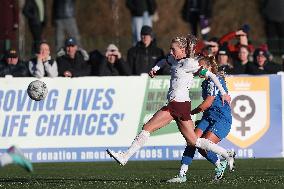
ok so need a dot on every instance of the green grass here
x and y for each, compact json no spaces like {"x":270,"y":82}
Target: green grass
{"x":257,"y":173}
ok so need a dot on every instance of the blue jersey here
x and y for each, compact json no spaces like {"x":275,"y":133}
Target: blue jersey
{"x":217,"y":111}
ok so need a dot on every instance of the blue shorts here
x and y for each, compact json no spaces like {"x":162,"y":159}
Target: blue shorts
{"x":220,"y":129}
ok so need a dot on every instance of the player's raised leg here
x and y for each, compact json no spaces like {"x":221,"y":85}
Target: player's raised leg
{"x":159,"y":120}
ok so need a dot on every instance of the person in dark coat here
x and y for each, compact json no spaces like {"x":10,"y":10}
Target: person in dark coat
{"x":145,"y":54}
{"x":35,"y":12}
{"x":9,"y":19}
{"x":113,"y":64}
{"x":241,"y":63}
{"x":72,"y":61}
{"x":225,"y":61}
{"x":262,"y":65}
{"x":11,"y":65}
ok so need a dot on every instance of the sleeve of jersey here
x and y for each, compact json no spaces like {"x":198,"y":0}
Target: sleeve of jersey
{"x":215,"y":80}
{"x":159,"y":65}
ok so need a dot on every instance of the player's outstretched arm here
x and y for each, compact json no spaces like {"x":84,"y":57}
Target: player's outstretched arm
{"x":225,"y":96}
{"x":157,"y":67}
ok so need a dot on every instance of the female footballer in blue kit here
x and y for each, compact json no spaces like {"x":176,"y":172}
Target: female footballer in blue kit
{"x":214,"y":125}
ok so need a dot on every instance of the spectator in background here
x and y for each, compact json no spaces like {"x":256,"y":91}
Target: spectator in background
{"x":198,"y":13}
{"x":262,"y":65}
{"x":42,"y":65}
{"x":273,"y":12}
{"x":113,"y":64}
{"x":141,"y":13}
{"x":145,"y":54}
{"x":64,"y":20}
{"x":9,"y":19}
{"x":242,"y":62}
{"x":241,"y":35}
{"x":72,"y":61}
{"x":224,"y":61}
{"x":35,"y":11}
{"x":11,"y":65}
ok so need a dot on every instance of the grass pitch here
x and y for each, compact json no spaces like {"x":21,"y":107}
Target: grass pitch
{"x":257,"y":173}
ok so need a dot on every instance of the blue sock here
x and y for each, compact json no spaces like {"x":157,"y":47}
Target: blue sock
{"x":188,"y":155}
{"x":211,"y":157}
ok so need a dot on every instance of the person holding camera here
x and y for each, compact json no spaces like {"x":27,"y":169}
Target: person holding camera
{"x":112,"y":64}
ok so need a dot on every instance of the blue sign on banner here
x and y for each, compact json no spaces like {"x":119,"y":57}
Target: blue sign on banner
{"x":269,"y":142}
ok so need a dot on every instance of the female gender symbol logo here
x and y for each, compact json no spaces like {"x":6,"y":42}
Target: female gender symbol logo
{"x":243,"y":109}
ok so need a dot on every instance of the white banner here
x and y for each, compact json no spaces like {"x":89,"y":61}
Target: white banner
{"x":81,"y":117}
{"x":78,"y":112}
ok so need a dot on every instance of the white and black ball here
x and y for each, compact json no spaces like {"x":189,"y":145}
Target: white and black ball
{"x":37,"y":90}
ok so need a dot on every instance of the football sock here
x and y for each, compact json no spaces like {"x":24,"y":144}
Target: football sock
{"x":138,"y":142}
{"x":212,"y":157}
{"x":217,"y":164}
{"x":208,"y":145}
{"x":186,"y":160}
{"x":5,"y":159}
{"x":188,"y":155}
{"x":183,"y":170}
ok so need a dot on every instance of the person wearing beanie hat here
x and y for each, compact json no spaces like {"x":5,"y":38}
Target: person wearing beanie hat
{"x":12,"y":65}
{"x":147,"y":30}
{"x":262,"y":65}
{"x":112,"y":64}
{"x":145,"y":54}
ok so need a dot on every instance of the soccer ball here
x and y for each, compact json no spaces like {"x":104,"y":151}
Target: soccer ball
{"x":37,"y":90}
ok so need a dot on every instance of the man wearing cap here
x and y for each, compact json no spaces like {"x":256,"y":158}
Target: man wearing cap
{"x":224,"y":61}
{"x":145,"y":54}
{"x":112,"y":64}
{"x":11,"y":65}
{"x":262,"y":65}
{"x":72,"y":60}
